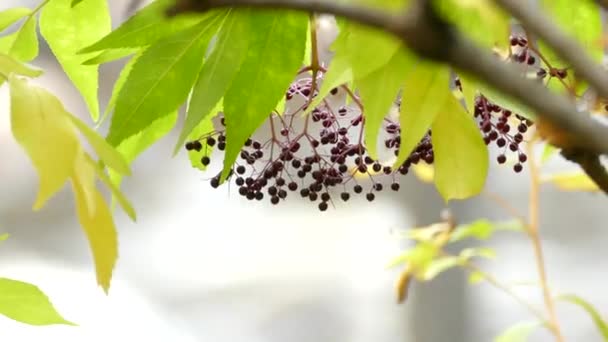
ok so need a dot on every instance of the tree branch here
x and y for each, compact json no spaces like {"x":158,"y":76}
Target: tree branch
{"x":423,"y":31}
{"x":568,"y":49}
{"x":591,"y":164}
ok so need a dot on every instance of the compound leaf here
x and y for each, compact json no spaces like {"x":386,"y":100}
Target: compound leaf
{"x":24,"y":45}
{"x":10,"y":16}
{"x":26,"y":303}
{"x":160,"y":80}
{"x":218,"y":71}
{"x":42,"y":128}
{"x":276,"y":47}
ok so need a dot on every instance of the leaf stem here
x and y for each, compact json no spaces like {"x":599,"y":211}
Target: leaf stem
{"x":533,"y":232}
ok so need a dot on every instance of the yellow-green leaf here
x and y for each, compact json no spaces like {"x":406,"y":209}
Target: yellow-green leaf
{"x":26,"y":303}
{"x":461,"y":156}
{"x":68,"y":29}
{"x":40,"y":125}
{"x":24,"y":47}
{"x":600,"y":323}
{"x":109,"y":56}
{"x":572,"y":181}
{"x":9,"y":65}
{"x":84,"y":173}
{"x":476,"y":277}
{"x":105,"y":151}
{"x":518,"y":332}
{"x":116,"y":193}
{"x":3,"y":237}
{"x":99,"y":230}
{"x":10,"y":16}
{"x":440,"y":265}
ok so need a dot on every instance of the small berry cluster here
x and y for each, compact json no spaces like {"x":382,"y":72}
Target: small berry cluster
{"x":526,"y":55}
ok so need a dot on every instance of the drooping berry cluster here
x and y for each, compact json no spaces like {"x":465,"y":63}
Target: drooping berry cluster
{"x":525,"y":54}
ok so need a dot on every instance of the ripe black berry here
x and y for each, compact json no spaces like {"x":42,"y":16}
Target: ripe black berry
{"x":345,"y":196}
{"x":370,"y":196}
{"x":395,"y":186}
{"x":501,"y":159}
{"x":358,"y":189}
{"x":210,"y":141}
{"x":517,"y":167}
{"x":304,"y":192}
{"x":205,"y":160}
{"x":293,"y":186}
{"x":323,"y":206}
{"x":240,"y":169}
{"x":282,"y":194}
{"x":274,"y":200}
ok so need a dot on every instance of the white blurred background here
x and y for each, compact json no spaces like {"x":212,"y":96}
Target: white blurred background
{"x":205,"y":265}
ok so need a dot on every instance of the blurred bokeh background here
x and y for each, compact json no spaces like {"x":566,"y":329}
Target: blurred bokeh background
{"x":206,"y":265}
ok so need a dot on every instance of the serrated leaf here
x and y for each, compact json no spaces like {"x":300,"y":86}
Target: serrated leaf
{"x":276,"y":47}
{"x":461,"y":156}
{"x":10,"y":16}
{"x":109,"y":56}
{"x":204,"y":127}
{"x":40,"y":126}
{"x":24,"y":45}
{"x":136,"y":144}
{"x":600,"y":323}
{"x":160,"y":80}
{"x":105,"y":151}
{"x":120,"y":82}
{"x":480,"y":230}
{"x":99,"y":229}
{"x":218,"y":71}
{"x":476,"y":277}
{"x":68,"y":29}
{"x":572,"y":181}
{"x":425,"y":94}
{"x":9,"y":65}
{"x":116,"y":193}
{"x":84,"y":173}
{"x":581,"y":20}
{"x":378,"y":91}
{"x":518,"y":332}
{"x":440,"y":265}
{"x":146,"y":27}
{"x":26,"y":303}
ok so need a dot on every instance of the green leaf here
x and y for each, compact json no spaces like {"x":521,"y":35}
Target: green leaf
{"x":120,"y":81}
{"x":9,"y":65}
{"x":218,"y":71}
{"x":276,"y":47}
{"x":483,"y":252}
{"x":136,"y":144}
{"x":40,"y":126}
{"x":476,"y":277}
{"x":160,"y":80}
{"x":572,"y":181}
{"x":581,"y":20}
{"x":109,"y":56}
{"x":3,"y":237}
{"x":68,"y":29}
{"x":10,"y":16}
{"x":24,"y":46}
{"x":105,"y":151}
{"x":548,"y":152}
{"x":600,"y":323}
{"x":380,"y":48}
{"x":440,"y":265}
{"x":461,"y":156}
{"x":98,"y":225}
{"x":425,"y":94}
{"x":518,"y":332}
{"x":146,"y":27}
{"x":378,"y":91}
{"x":25,"y":303}
{"x":116,"y":193}
{"x":205,"y":126}
{"x":480,"y":229}
{"x":75,"y":2}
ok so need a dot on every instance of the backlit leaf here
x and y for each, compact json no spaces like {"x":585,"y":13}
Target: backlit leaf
{"x":425,"y":94}
{"x":68,"y":29}
{"x":109,"y":56}
{"x":105,"y":151}
{"x":276,"y":48}
{"x":440,"y":265}
{"x":9,"y":65}
{"x":548,"y":152}
{"x":378,"y":91}
{"x":461,"y":156}
{"x":99,"y":230}
{"x":160,"y":80}
{"x":204,"y":127}
{"x":116,"y":193}
{"x":600,"y":323}
{"x":483,"y":252}
{"x":218,"y":71}
{"x":26,"y":303}
{"x":572,"y":181}
{"x":147,"y":26}
{"x":3,"y":237}
{"x":24,"y":46}
{"x":120,"y":81}
{"x":480,"y":229}
{"x":518,"y":332}
{"x":476,"y":277}
{"x":10,"y":16}
{"x":42,"y":128}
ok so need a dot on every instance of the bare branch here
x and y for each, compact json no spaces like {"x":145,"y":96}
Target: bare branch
{"x":592,"y":166}
{"x":568,"y":49}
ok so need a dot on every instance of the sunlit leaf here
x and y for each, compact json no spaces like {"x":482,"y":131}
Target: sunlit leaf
{"x":378,"y":91}
{"x":518,"y":332}
{"x":68,"y":29}
{"x":480,"y":229}
{"x":120,"y":81}
{"x":461,"y":156}
{"x":572,"y":181}
{"x":403,"y":284}
{"x":427,"y":233}
{"x":276,"y":47}
{"x":75,"y":2}
{"x":3,"y":237}
{"x":26,"y":303}
{"x":116,"y":193}
{"x":425,"y":94}
{"x":160,"y":80}
{"x":98,"y":227}
{"x":8,"y":65}
{"x":105,"y":151}
{"x":548,"y":152}
{"x":42,"y":128}
{"x":24,"y":46}
{"x":440,"y":265}
{"x":218,"y":71}
{"x":147,"y":26}
{"x":424,"y":172}
{"x":476,"y":277}
{"x":109,"y":56}
{"x":204,"y":127}
{"x":10,"y":16}
{"x":600,"y":323}
{"x":483,"y":252}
